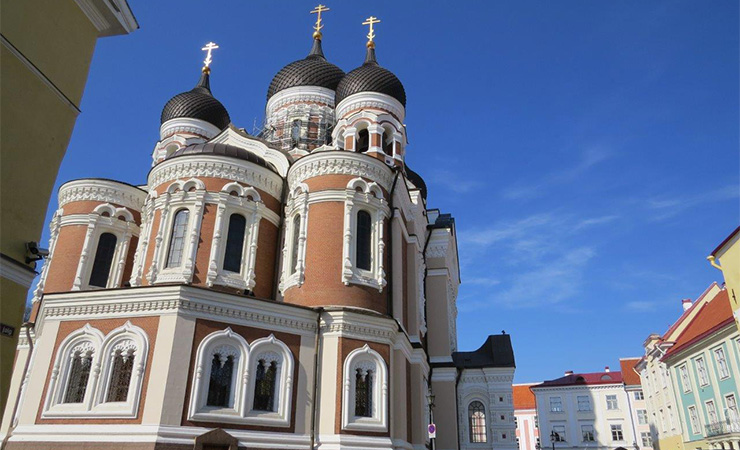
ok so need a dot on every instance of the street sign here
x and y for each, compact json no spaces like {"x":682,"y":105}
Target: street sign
{"x":432,"y":430}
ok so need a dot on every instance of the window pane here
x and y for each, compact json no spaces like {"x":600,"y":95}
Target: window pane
{"x":364,"y":239}
{"x":264,"y":386}
{"x":177,"y":240}
{"x":219,"y":386}
{"x":79,"y":373}
{"x":363,"y":393}
{"x":235,"y":243}
{"x":294,"y":243}
{"x":103,"y":260}
{"x":477,"y":422}
{"x":363,"y":141}
{"x":123,"y":365}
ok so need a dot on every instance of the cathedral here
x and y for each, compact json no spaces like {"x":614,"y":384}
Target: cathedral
{"x":288,"y":289}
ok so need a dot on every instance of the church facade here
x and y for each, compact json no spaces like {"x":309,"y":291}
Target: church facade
{"x":289,"y":290}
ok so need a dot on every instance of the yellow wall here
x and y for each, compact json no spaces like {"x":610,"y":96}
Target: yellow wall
{"x":729,"y":258}
{"x":671,"y":443}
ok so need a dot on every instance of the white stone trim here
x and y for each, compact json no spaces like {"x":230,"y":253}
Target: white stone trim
{"x":299,"y":94}
{"x":340,"y":163}
{"x":371,"y":100}
{"x":379,"y":420}
{"x":283,"y":383}
{"x":194,"y":166}
{"x":361,"y":195}
{"x":100,"y":18}
{"x":147,"y":218}
{"x":297,"y":204}
{"x":17,"y":274}
{"x":279,"y":160}
{"x":104,"y":191}
{"x":188,"y":125}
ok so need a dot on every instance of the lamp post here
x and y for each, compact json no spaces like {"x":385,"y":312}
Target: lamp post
{"x":553,"y":435}
{"x":430,"y":402}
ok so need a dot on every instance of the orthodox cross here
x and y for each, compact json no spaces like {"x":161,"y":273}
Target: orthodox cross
{"x":318,"y":10}
{"x":209,"y":48}
{"x":370,"y":21}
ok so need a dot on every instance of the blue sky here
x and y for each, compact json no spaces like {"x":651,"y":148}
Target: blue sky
{"x":587,"y":149}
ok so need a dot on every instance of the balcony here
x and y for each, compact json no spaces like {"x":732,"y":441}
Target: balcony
{"x":716,"y":429}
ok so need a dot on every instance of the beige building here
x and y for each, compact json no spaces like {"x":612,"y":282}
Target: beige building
{"x":726,"y":257}
{"x":289,"y":290}
{"x":47,"y":46}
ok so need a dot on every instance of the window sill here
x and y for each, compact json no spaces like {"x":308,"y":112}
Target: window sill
{"x":365,"y":424}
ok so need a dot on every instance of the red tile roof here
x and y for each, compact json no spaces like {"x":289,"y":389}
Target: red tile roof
{"x":686,"y":313}
{"x":523,"y":397}
{"x":584,"y":378}
{"x":629,"y":376}
{"x":716,"y":314}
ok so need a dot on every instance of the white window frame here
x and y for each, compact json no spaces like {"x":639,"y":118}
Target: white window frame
{"x":553,"y":407}
{"x":617,"y":428}
{"x":694,"y":420}
{"x":639,"y":395}
{"x":562,"y":437}
{"x":701,"y":370}
{"x":647,"y":439}
{"x":671,"y":419}
{"x":274,"y":350}
{"x":642,"y":417}
{"x":103,"y":347}
{"x":361,"y":195}
{"x":731,"y":408}
{"x":247,"y":203}
{"x":584,"y":431}
{"x":219,"y":341}
{"x":612,"y":398}
{"x":683,"y":371}
{"x":297,"y":204}
{"x":175,"y":198}
{"x":587,"y":402}
{"x":712,"y":414}
{"x":720,"y":358}
{"x":97,"y":224}
{"x":379,"y":420}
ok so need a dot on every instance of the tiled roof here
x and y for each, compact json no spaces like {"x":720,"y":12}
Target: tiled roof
{"x":629,"y":376}
{"x":716,"y":314}
{"x":668,"y":334}
{"x":523,"y":396}
{"x":584,"y":379}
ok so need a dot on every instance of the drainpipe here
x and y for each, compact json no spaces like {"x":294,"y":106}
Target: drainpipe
{"x":389,"y":286}
{"x":317,"y":344}
{"x":13,"y":420}
{"x":714,"y":264}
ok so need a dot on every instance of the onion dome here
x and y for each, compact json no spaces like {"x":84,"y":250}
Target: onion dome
{"x":313,"y":70}
{"x":370,"y":77}
{"x":212,"y":148}
{"x":197,"y":103}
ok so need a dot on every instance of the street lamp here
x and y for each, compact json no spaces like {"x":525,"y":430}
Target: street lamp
{"x":430,"y":402}
{"x":553,"y":436}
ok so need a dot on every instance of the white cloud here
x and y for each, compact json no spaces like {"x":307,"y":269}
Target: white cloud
{"x":453,"y":181}
{"x":641,"y":306}
{"x":662,"y":208}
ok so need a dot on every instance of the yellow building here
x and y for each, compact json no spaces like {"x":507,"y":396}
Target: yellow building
{"x":47,"y":46}
{"x":726,"y":257}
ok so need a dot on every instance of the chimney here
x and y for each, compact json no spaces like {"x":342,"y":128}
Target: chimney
{"x":686,"y":303}
{"x":606,"y":369}
{"x":568,"y":372}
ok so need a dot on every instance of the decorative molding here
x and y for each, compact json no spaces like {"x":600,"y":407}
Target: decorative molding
{"x":17,"y":273}
{"x":371,"y":100}
{"x":297,"y":205}
{"x":366,"y":360}
{"x":299,"y":94}
{"x":119,"y":10}
{"x":188,"y":125}
{"x":340,"y":163}
{"x":278,"y":159}
{"x":104,"y":191}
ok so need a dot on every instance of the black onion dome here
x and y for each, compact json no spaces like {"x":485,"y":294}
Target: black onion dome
{"x":197,"y":103}
{"x":212,"y":148}
{"x":370,"y":77}
{"x":313,"y":70}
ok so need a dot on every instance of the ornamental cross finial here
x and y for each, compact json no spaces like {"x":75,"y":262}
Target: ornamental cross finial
{"x":318,"y":10}
{"x":209,"y":48}
{"x":371,"y":35}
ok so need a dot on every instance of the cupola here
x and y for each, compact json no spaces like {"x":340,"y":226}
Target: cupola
{"x":371,"y":77}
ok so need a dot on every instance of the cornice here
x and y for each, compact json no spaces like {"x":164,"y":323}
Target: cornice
{"x":300,"y":94}
{"x":104,"y":191}
{"x":371,"y":100}
{"x":340,"y":163}
{"x":16,"y":272}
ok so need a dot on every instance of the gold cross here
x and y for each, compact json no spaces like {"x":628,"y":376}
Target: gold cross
{"x":209,"y":48}
{"x":371,"y":35}
{"x":318,"y":10}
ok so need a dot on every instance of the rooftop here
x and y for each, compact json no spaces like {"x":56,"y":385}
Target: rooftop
{"x":523,"y":396}
{"x":629,"y":376}
{"x":716,"y":314}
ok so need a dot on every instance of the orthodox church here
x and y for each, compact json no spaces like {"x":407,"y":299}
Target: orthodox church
{"x":285,"y":290}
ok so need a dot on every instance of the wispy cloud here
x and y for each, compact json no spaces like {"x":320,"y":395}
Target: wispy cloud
{"x":453,"y":181}
{"x":589,"y":158}
{"x":641,"y":306}
{"x":665,"y":207}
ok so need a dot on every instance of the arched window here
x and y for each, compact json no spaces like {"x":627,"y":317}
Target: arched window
{"x":387,"y":143}
{"x":219,"y":386}
{"x":294,"y":243}
{"x":235,"y":243}
{"x":103,"y":260}
{"x":79,"y":374}
{"x":363,"y":141}
{"x":177,"y":239}
{"x":295,"y":131}
{"x":477,"y":421}
{"x":120,"y":379}
{"x":364,"y":392}
{"x":364,"y":240}
{"x":264,"y":385}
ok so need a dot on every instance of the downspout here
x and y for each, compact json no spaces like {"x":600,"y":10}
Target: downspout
{"x":632,"y":419}
{"x":13,"y":421}
{"x":389,"y":286}
{"x":279,"y":240}
{"x":317,"y":343}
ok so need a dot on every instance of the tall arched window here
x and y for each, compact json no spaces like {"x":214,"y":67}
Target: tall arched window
{"x":103,"y":260}
{"x":79,"y":374}
{"x":235,"y":243}
{"x":294,"y":244}
{"x":387,"y":143}
{"x":295,"y":131}
{"x":363,"y":141}
{"x":177,"y":239}
{"x":264,"y":385}
{"x":120,"y":379}
{"x":363,"y":392}
{"x":477,"y":421}
{"x":219,"y":386}
{"x":364,"y":240}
